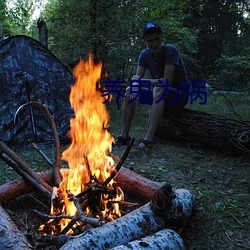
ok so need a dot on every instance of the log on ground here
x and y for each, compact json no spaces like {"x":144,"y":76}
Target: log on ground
{"x":18,"y":187}
{"x":148,"y":219}
{"x":161,"y":240}
{"x":211,"y":131}
{"x":10,"y":237}
{"x":131,"y":182}
{"x":137,"y":185}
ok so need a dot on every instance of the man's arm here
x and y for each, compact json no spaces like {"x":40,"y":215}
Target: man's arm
{"x":140,"y":71}
{"x":168,"y":75}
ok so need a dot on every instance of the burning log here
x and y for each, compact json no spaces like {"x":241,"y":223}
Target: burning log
{"x":165,"y":210}
{"x":163,"y":239}
{"x":10,"y":237}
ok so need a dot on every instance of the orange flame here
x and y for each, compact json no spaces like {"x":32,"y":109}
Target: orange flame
{"x":87,"y":156}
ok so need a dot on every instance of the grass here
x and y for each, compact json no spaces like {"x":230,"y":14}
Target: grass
{"x":220,"y":181}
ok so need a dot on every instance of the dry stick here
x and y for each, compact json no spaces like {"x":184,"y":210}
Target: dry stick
{"x":95,"y":188}
{"x":112,"y":175}
{"x":51,"y":217}
{"x":92,"y":221}
{"x":120,"y":163}
{"x":23,"y":165}
{"x":57,"y":174}
{"x":25,"y":176}
{"x":80,"y":217}
{"x":86,"y":162}
{"x":85,"y":205}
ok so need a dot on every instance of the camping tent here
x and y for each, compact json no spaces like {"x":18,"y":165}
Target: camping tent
{"x":30,"y":72}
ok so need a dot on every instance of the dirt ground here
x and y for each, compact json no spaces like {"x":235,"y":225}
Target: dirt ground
{"x":220,"y":182}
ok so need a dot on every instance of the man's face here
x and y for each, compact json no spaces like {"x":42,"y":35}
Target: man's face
{"x":153,"y":40}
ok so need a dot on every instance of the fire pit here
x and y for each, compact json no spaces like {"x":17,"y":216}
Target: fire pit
{"x":86,"y":198}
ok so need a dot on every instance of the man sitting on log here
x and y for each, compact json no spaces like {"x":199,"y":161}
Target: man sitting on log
{"x":169,"y":81}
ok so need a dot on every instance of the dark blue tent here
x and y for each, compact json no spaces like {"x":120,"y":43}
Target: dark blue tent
{"x":29,"y":71}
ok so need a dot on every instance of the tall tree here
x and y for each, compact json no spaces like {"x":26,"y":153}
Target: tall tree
{"x":4,"y":19}
{"x":111,"y":30}
{"x":222,"y":29}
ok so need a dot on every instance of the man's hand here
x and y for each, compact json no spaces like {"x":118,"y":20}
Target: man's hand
{"x":136,"y":78}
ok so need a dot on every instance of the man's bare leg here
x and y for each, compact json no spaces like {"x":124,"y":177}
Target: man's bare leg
{"x":128,"y":111}
{"x":155,"y":117}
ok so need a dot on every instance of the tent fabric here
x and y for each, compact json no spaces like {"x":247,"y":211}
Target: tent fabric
{"x":30,"y":72}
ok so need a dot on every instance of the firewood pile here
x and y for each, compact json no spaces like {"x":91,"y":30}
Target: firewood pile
{"x":156,"y":222}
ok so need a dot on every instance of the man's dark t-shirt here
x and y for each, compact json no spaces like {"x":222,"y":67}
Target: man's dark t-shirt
{"x":171,"y":56}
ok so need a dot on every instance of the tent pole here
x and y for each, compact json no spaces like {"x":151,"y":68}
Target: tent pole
{"x":33,"y":125}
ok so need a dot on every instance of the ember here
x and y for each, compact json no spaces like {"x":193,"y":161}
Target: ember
{"x":87,"y":188}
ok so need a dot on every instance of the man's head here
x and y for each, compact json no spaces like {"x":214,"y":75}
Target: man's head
{"x":150,"y":28}
{"x":152,"y":36}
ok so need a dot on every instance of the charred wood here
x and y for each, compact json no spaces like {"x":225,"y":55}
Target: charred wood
{"x":120,"y":163}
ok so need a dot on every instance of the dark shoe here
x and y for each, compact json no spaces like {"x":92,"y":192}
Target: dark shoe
{"x":121,"y":141}
{"x":145,"y":144}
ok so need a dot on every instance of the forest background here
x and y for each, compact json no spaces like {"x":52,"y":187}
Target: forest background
{"x":213,"y":36}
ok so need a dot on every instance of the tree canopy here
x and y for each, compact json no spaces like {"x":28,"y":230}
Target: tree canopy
{"x":213,"y":35}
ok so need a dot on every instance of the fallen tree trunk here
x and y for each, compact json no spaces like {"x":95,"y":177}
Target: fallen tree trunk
{"x":212,"y":131}
{"x":163,"y":239}
{"x":150,"y":218}
{"x":10,"y":237}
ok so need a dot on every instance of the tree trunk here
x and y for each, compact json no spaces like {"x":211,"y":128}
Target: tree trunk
{"x":43,"y":32}
{"x":10,"y":237}
{"x":212,"y":131}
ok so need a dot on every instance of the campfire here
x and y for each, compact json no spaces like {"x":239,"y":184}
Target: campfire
{"x":87,"y":198}
{"x":87,"y":188}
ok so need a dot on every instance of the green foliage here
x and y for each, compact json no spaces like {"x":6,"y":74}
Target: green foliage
{"x":20,"y":16}
{"x":212,"y":36}
{"x":4,"y":19}
{"x":232,"y":72}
